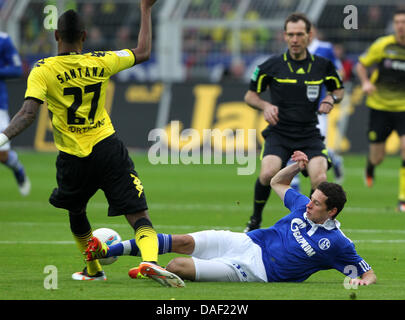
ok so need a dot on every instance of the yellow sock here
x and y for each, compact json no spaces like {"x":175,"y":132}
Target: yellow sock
{"x":92,"y":266}
{"x":401,"y":195}
{"x":147,"y":242}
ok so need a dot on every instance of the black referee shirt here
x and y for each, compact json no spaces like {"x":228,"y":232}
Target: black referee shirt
{"x":295,"y":88}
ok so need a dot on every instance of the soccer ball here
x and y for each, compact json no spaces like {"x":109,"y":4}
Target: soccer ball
{"x":110,"y":237}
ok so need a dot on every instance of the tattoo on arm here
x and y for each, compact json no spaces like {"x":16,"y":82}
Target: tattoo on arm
{"x":23,"y":119}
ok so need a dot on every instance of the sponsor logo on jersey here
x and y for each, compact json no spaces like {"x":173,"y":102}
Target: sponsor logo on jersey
{"x":296,"y":225}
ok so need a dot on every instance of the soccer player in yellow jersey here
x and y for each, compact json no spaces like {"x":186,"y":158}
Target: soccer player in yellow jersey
{"x":386,"y":97}
{"x":91,"y":156}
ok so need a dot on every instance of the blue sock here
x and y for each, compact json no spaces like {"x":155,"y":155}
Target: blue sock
{"x":129,"y":247}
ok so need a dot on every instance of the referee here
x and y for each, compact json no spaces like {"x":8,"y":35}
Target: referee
{"x":294,"y":80}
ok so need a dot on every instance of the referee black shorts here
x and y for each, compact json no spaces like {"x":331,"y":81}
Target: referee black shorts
{"x":108,"y":168}
{"x":283,"y":147}
{"x":382,"y":123}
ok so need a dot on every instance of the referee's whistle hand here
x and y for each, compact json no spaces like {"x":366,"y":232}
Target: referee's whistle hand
{"x":271,"y":114}
{"x":325,"y":107}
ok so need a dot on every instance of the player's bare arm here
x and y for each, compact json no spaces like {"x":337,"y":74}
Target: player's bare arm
{"x":367,"y":86}
{"x":328,"y":102}
{"x":23,"y":119}
{"x":280,"y":183}
{"x":270,"y":111}
{"x":143,"y":50}
{"x":366,"y":279}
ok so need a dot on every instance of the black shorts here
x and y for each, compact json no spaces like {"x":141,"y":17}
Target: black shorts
{"x":284,"y":147}
{"x":108,"y":168}
{"x":382,"y":123}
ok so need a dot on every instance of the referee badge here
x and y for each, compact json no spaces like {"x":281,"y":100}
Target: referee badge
{"x":312,"y":92}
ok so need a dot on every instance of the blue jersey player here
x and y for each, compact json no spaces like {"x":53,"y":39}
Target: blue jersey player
{"x":325,"y":49}
{"x":10,"y":67}
{"x":305,"y":241}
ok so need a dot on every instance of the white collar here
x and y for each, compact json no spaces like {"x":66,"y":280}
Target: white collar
{"x":329,"y":224}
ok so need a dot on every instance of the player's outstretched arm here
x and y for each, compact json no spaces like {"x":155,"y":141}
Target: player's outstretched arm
{"x":366,"y":279}
{"x":143,"y":50}
{"x":22,"y":120}
{"x":280,"y":183}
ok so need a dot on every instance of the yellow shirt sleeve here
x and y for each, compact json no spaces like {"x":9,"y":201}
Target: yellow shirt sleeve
{"x":124,"y":59}
{"x":36,"y":84}
{"x":375,"y":52}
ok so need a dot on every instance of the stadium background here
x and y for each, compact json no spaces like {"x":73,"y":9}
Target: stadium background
{"x":209,"y":45}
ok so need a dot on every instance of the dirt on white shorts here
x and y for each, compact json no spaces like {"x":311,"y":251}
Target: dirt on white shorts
{"x":227,"y":256}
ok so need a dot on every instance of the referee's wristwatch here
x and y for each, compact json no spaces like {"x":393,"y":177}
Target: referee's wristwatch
{"x":335,"y":99}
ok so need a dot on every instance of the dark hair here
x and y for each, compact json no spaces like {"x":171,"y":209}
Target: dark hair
{"x":336,"y":196}
{"x":398,"y":11}
{"x":70,"y":26}
{"x":297,"y":16}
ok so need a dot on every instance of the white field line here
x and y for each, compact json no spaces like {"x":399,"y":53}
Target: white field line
{"x":172,"y":206}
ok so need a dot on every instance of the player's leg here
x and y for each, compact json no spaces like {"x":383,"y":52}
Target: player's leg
{"x":218,"y":256}
{"x":270,"y":165}
{"x":376,"y":155}
{"x":82,"y":233}
{"x":317,"y":168}
{"x":379,"y":128}
{"x":76,"y":185}
{"x":273,"y":156}
{"x":203,"y":246}
{"x":9,"y":158}
{"x":145,"y":235}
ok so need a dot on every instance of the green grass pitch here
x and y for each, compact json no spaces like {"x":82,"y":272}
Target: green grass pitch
{"x":182,"y":199}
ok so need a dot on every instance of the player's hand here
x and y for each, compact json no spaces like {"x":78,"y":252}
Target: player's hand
{"x":368,"y":87}
{"x":301,"y":158}
{"x":270,"y":113}
{"x":359,"y":282}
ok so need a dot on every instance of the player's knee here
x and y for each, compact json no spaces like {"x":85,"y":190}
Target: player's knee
{"x":183,"y":267}
{"x":265,"y":177}
{"x":183,"y":244}
{"x":317,"y":179}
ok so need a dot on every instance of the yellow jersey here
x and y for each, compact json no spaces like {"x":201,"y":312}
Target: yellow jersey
{"x":74,"y":86}
{"x":389,"y":76}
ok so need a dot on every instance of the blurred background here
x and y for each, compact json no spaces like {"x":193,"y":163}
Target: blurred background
{"x":207,"y":41}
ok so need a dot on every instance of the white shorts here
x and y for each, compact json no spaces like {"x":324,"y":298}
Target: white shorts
{"x":4,"y":121}
{"x":227,"y":256}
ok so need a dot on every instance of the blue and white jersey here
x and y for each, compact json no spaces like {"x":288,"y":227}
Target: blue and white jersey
{"x":324,"y":49}
{"x":10,"y":66}
{"x":295,"y":247}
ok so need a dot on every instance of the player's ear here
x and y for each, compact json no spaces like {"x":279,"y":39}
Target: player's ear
{"x":56,"y":35}
{"x":332,"y":213}
{"x":310,"y":36}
